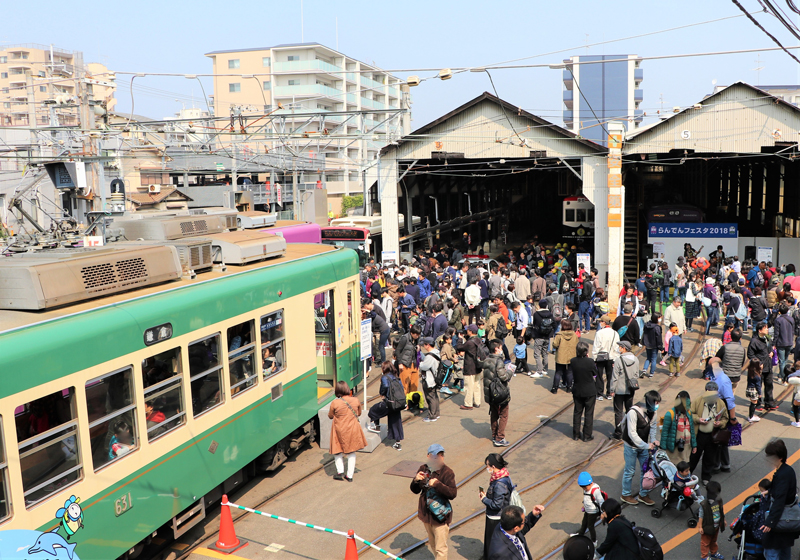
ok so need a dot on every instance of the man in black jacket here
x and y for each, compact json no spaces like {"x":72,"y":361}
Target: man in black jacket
{"x":628,"y":320}
{"x":761,"y":350}
{"x":508,"y":540}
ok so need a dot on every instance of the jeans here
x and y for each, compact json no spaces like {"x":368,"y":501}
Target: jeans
{"x":713,"y":317}
{"x":650,"y":361}
{"x":584,"y":316}
{"x":682,"y":293}
{"x":783,"y":354}
{"x":382,"y":344}
{"x":778,"y":553}
{"x":664,"y":296}
{"x":632,"y":454}
{"x":484,"y":307}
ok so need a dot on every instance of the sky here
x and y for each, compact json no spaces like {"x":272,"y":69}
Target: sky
{"x":164,"y":36}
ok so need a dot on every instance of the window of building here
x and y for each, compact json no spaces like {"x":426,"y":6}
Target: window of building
{"x":267,"y":86}
{"x":206,"y":374}
{"x":5,"y":90}
{"x":3,"y":74}
{"x":293,"y":57}
{"x":42,"y":74}
{"x":234,"y":88}
{"x":241,"y":357}
{"x":49,"y":455}
{"x":6,"y":105}
{"x":3,"y":59}
{"x":5,"y":503}
{"x":233,"y":63}
{"x":112,"y":416}
{"x":266,"y":61}
{"x":43,"y":88}
{"x":273,"y":350}
{"x":163,"y":393}
{"x":17,"y":71}
{"x":153,"y":178}
{"x":294,"y":82}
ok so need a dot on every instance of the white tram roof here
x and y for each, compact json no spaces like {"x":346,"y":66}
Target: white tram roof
{"x":10,"y":320}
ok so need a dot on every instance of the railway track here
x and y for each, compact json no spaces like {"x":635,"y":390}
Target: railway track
{"x":601,"y":449}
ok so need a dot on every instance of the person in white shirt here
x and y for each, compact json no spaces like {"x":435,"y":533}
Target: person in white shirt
{"x":604,"y":351}
{"x":521,"y":324}
{"x":737,"y":266}
{"x":472,"y":297}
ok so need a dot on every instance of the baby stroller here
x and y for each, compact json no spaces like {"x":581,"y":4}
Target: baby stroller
{"x":675,"y":496}
{"x":746,"y":530}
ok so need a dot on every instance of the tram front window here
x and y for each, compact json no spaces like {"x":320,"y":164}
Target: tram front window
{"x":205,"y":374}
{"x":112,"y":416}
{"x":163,"y":393}
{"x":47,"y":434}
{"x":241,"y":357}
{"x":273,"y":353}
{"x":5,"y":506}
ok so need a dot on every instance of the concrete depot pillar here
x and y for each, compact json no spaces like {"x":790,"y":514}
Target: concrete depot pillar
{"x":595,"y":188}
{"x":388,"y":194}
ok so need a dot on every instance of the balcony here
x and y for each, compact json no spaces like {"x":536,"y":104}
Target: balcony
{"x":351,"y":99}
{"x":306,"y":66}
{"x":368,"y":83}
{"x":567,"y":97}
{"x":638,"y":75}
{"x":566,"y":75}
{"x":638,"y":95}
{"x":638,"y":116}
{"x":394,"y":92}
{"x":307,"y":91}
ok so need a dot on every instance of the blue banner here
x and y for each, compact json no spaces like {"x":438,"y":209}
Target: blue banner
{"x":694,"y":230}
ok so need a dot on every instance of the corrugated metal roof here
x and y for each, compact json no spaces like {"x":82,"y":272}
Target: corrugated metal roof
{"x":738,"y":119}
{"x":147,"y":199}
{"x":480,"y":129}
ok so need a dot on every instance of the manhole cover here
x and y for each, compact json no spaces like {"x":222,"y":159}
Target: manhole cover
{"x":408,"y":469}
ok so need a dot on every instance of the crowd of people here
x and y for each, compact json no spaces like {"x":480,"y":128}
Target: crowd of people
{"x":451,"y":321}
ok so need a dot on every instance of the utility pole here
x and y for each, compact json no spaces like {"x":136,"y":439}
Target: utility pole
{"x":295,"y":195}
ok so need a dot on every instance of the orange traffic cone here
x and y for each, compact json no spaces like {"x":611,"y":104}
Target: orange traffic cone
{"x":351,"y":552}
{"x":227,"y":541}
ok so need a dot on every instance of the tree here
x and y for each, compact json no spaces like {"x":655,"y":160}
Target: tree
{"x":349,"y":202}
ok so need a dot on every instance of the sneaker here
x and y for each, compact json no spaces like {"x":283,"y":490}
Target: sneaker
{"x":595,"y":544}
{"x":349,"y":478}
{"x":373,"y":428}
{"x":644,"y":373}
{"x":599,"y":397}
{"x":717,"y":556}
{"x":646,"y":501}
{"x":434,"y":419}
{"x":575,"y":534}
{"x":501,"y":443}
{"x":338,"y":476}
{"x":397,"y":446}
{"x":446,"y":391}
{"x":536,"y":375}
{"x":428,"y":419}
{"x":773,"y":406}
{"x":754,"y":419}
{"x":629,"y":500}
{"x":796,"y":424}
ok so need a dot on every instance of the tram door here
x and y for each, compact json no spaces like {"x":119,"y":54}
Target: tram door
{"x":324,"y":329}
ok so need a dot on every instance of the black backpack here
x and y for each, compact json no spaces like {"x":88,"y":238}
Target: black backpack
{"x":442,"y":373}
{"x":396,"y":396}
{"x":499,"y":393}
{"x":545,"y":328}
{"x":501,"y":331}
{"x":649,"y":549}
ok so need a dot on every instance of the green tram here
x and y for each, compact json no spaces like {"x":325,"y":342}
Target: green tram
{"x":137,"y":411}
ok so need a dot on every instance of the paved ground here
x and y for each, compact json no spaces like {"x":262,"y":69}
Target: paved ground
{"x":374,"y":502}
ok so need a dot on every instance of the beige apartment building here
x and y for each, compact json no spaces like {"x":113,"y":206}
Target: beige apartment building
{"x":307,"y":78}
{"x":39,"y":83}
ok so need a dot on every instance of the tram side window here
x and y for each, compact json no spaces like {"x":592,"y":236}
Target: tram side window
{"x":112,"y":416}
{"x":205,"y":372}
{"x":5,"y":504}
{"x":47,"y":434}
{"x":163,"y":393}
{"x":242,"y":357}
{"x":273,"y":350}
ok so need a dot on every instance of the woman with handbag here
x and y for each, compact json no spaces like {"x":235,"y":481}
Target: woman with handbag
{"x":347,"y":437}
{"x":778,"y":539}
{"x":694,"y":292}
{"x":710,"y":416}
{"x":677,"y":434}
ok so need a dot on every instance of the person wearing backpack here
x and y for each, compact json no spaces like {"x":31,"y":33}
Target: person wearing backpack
{"x":639,"y":430}
{"x":756,"y":277}
{"x":784,"y":337}
{"x":427,"y":372}
{"x":393,"y":403}
{"x":623,"y":384}
{"x":626,"y":325}
{"x":496,"y":392}
{"x":565,"y":344}
{"x":543,"y":330}
{"x":496,"y":497}
{"x":473,"y":376}
{"x":593,"y":498}
{"x":620,"y":542}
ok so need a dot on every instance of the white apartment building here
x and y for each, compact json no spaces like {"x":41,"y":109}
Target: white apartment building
{"x":309,"y":78}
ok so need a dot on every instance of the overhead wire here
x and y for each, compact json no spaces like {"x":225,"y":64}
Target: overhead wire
{"x":761,"y":27}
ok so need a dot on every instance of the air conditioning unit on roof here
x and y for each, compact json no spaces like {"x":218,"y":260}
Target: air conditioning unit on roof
{"x":154,"y":189}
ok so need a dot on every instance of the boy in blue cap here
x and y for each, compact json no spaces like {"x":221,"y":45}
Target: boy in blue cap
{"x":593,"y":498}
